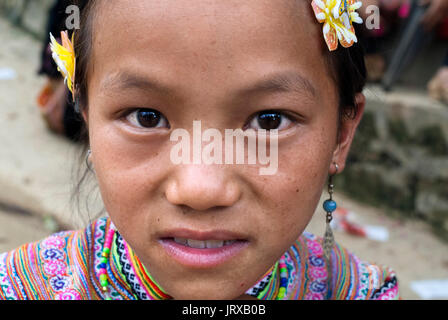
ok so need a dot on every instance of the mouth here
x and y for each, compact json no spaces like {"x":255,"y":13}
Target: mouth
{"x":202,"y":250}
{"x":204,"y":244}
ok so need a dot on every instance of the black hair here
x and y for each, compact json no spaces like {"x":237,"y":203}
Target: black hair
{"x":349,"y":73}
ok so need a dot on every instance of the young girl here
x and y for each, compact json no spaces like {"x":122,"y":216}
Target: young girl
{"x":207,"y":231}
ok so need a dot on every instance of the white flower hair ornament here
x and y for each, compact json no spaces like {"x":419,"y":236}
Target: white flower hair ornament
{"x":338,"y":17}
{"x":64,"y":56}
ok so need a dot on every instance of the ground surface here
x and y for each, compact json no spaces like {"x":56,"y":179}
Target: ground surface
{"x":35,"y":173}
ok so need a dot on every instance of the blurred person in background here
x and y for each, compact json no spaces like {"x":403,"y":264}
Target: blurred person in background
{"x":393,"y":12}
{"x":54,"y":99}
{"x":437,"y":15}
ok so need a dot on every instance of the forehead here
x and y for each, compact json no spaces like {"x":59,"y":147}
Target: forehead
{"x":213,"y":40}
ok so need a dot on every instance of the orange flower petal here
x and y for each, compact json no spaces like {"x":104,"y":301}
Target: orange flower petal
{"x":345,"y":43}
{"x":331,"y":39}
{"x":317,"y":11}
{"x":65,"y":41}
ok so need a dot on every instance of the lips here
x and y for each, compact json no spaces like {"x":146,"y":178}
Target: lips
{"x":199,"y":249}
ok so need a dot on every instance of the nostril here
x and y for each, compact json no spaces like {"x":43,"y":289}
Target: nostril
{"x":200,"y":188}
{"x":185,"y":209}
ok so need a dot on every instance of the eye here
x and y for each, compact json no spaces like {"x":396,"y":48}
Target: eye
{"x":270,"y":120}
{"x":147,"y":118}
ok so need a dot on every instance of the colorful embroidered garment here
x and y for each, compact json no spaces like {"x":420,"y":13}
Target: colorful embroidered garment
{"x":65,"y":266}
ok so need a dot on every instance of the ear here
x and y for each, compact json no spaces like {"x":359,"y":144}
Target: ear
{"x":346,"y":134}
{"x":83,"y":111}
{"x":85,"y":116}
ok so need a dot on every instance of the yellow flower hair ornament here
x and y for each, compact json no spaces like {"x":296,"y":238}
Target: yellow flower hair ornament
{"x":64,"y":56}
{"x":338,"y":17}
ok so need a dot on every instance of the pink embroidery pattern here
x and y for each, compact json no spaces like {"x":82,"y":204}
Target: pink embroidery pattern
{"x":56,"y":268}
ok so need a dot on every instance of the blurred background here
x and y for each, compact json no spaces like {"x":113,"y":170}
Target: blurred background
{"x":393,"y":196}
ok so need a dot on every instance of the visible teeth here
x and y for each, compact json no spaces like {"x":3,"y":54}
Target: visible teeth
{"x":180,"y":240}
{"x":214,"y":243}
{"x":196,"y":244}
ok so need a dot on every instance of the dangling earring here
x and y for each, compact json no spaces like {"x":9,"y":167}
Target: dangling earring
{"x":89,"y":153}
{"x":329,"y":207}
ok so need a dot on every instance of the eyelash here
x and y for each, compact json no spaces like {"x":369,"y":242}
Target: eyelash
{"x":282,"y":114}
{"x":131,"y":117}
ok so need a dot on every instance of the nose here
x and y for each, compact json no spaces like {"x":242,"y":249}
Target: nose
{"x":202,"y":187}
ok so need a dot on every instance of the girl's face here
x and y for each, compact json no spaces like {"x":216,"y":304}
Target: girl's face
{"x":160,"y":65}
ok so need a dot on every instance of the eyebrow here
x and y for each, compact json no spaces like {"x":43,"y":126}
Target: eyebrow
{"x":279,"y":82}
{"x":282,"y":82}
{"x":126,"y":80}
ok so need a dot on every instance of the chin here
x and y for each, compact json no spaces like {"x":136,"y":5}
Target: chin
{"x":207,"y":294}
{"x":206,"y":289}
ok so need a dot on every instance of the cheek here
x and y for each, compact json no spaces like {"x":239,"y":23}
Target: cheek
{"x":294,"y":192}
{"x":128,"y":173}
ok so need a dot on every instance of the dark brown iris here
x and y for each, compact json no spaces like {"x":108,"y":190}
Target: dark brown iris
{"x":269,"y":120}
{"x":148,"y":118}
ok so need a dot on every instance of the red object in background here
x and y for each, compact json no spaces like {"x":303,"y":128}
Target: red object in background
{"x":443,"y":30}
{"x":44,"y":95}
{"x":353,"y":229}
{"x":341,"y":214}
{"x":405,"y":10}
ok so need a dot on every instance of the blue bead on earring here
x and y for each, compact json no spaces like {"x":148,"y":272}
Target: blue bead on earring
{"x":329,"y":207}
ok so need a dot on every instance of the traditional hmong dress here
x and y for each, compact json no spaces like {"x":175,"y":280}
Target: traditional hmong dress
{"x":65,"y":266}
